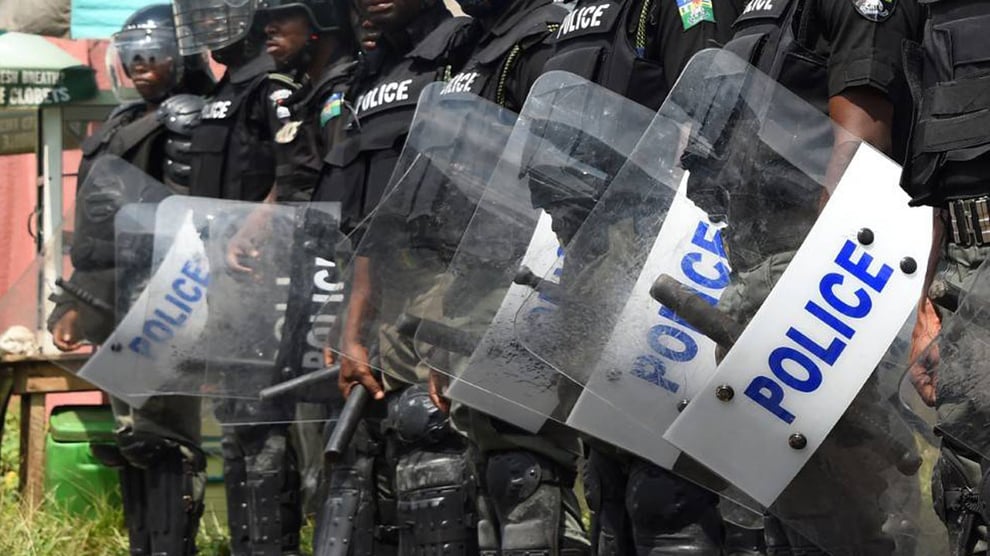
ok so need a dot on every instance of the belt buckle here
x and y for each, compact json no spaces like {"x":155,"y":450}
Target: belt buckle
{"x":963,"y":225}
{"x":981,"y":221}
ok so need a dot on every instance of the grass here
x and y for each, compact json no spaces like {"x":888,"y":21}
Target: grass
{"x":50,"y":530}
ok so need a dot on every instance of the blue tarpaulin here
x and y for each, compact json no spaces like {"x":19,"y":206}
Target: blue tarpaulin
{"x":98,"y":19}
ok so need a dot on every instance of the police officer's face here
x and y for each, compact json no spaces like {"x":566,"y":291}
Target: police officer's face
{"x":287,"y":32}
{"x":151,"y":76}
{"x":390,"y":15}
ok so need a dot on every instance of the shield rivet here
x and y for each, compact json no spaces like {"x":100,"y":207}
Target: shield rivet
{"x":724,"y":392}
{"x":909,"y":265}
{"x":681,"y":405}
{"x":865,"y":236}
{"x":797,"y":441}
{"x":116,"y":347}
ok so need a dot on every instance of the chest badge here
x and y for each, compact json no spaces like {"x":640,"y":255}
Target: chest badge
{"x":694,"y":12}
{"x":288,"y":133}
{"x":874,"y":10}
{"x":332,"y":108}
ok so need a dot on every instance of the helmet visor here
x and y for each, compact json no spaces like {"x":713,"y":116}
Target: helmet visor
{"x":143,"y":63}
{"x":211,"y":24}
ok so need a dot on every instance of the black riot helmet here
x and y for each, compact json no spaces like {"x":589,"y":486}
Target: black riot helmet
{"x":328,"y":20}
{"x":144,"y":57}
{"x":212,"y":24}
{"x":324,"y":15}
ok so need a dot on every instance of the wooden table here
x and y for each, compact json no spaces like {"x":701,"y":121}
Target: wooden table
{"x":33,"y":378}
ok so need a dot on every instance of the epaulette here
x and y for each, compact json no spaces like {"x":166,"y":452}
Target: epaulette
{"x":535,"y":26}
{"x":449,"y":36}
{"x":122,"y":109}
{"x":284,"y":79}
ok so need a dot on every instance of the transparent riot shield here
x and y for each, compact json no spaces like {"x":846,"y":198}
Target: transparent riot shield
{"x":396,"y":274}
{"x":77,"y":270}
{"x":571,"y":139}
{"x":209,"y":309}
{"x":759,"y":369}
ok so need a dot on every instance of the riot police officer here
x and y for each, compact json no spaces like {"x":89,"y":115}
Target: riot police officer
{"x":414,"y":43}
{"x":313,"y":41}
{"x":161,"y":467}
{"x":234,"y":158}
{"x":637,"y":49}
{"x":842,"y":57}
{"x":947,"y":167}
{"x":514,"y":41}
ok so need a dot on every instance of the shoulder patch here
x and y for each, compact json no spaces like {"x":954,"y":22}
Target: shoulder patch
{"x":288,"y":133}
{"x":875,"y":10}
{"x":693,"y":12}
{"x":279,"y":95}
{"x":332,"y":108}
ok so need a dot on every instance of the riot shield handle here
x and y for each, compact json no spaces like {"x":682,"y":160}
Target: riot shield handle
{"x":85,"y":296}
{"x":303,"y":382}
{"x":724,"y":331}
{"x":526,"y":277}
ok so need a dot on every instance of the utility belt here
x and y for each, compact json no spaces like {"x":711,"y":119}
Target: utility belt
{"x":969,"y":221}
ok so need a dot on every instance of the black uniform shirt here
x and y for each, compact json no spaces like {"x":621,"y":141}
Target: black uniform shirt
{"x":233,"y":146}
{"x":313,"y":120}
{"x":674,"y":45}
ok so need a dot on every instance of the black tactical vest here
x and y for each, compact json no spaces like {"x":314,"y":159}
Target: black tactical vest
{"x":360,"y":162}
{"x":593,"y":42}
{"x":230,"y":161}
{"x":770,"y":36}
{"x":949,"y":75}
{"x":489,"y":69}
{"x":124,"y":131}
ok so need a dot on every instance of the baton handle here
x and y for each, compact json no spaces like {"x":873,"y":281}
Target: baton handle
{"x":85,"y":296}
{"x":350,"y":416}
{"x":302,"y":382}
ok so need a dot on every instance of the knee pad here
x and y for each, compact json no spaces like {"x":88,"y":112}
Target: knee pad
{"x":415,"y":419}
{"x":525,"y":490}
{"x":164,"y":501}
{"x":435,"y":510}
{"x":659,"y":501}
{"x":264,"y":487}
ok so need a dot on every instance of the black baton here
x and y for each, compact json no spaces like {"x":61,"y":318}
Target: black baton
{"x":350,"y":416}
{"x":328,"y":374}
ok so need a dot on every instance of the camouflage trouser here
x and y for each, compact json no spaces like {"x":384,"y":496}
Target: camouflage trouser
{"x":960,"y":468}
{"x":835,"y":496}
